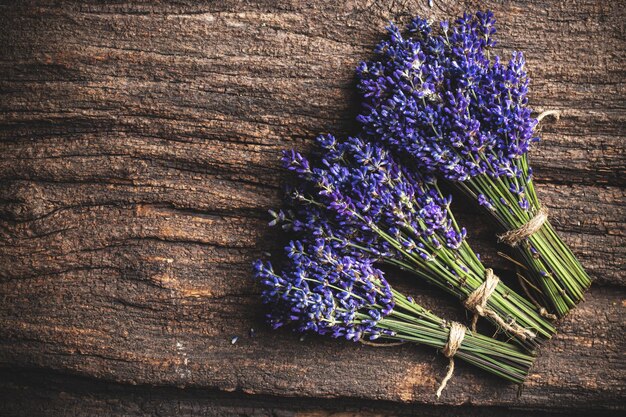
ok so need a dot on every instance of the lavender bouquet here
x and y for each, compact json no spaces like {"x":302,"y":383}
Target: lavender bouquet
{"x":439,"y":97}
{"x":356,"y":196}
{"x":324,"y":291}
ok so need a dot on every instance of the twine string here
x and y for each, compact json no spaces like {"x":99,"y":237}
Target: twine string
{"x":477,"y":302}
{"x":515,"y":236}
{"x":455,"y":338}
{"x":555,"y":113}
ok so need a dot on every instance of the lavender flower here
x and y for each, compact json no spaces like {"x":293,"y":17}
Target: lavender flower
{"x":367,"y":191}
{"x":322,"y":291}
{"x":443,"y":101}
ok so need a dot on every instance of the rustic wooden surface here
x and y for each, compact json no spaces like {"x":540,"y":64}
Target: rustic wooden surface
{"x":139,"y":156}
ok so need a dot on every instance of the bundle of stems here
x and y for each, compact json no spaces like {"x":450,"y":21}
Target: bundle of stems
{"x":442,"y":101}
{"x":550,"y":270}
{"x":355,"y":195}
{"x":326,"y":291}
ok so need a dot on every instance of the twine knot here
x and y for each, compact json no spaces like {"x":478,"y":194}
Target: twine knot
{"x":455,"y":338}
{"x":477,"y":302}
{"x":514,"y":237}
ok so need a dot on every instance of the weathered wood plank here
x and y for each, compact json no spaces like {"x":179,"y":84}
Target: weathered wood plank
{"x":29,"y":393}
{"x":139,"y":155}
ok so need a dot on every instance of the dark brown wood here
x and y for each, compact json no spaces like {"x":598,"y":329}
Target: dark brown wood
{"x":140,"y":146}
{"x":31,"y":393}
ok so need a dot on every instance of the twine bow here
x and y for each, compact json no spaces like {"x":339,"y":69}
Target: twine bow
{"x":477,"y":302}
{"x":455,"y":338}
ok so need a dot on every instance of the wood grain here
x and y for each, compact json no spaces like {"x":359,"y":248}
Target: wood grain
{"x":30,"y":393}
{"x":140,"y":145}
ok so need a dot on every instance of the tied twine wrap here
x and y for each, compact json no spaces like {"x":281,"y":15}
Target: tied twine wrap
{"x":455,"y":338}
{"x":514,"y":237}
{"x":477,"y":302}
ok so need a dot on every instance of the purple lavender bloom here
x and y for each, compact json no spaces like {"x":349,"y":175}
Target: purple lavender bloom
{"x":356,"y":193}
{"x":442,"y":100}
{"x":324,"y":291}
{"x":485,"y":202}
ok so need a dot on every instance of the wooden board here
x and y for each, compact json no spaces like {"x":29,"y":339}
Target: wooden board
{"x":140,"y":146}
